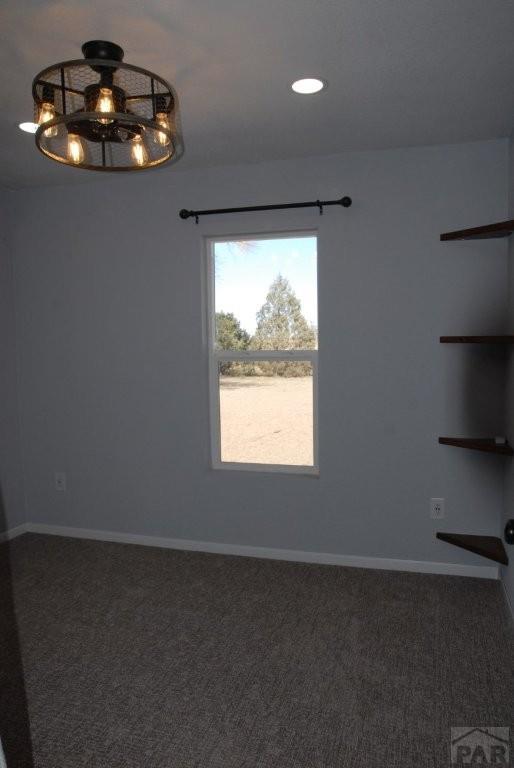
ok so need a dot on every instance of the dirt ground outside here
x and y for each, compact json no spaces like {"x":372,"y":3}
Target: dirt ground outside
{"x":266,"y":420}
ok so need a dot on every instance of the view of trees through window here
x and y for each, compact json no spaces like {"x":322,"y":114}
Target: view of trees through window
{"x":280,"y":326}
{"x":266,"y":302}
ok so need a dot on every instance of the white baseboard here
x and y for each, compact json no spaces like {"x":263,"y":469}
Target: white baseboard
{"x":323,"y":558}
{"x":12,"y":533}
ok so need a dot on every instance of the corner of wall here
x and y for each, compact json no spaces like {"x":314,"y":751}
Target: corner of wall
{"x":507,"y":573}
{"x":12,"y":486}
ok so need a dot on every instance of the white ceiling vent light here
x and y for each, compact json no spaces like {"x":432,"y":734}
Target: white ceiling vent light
{"x":308,"y":85}
{"x":28,"y":128}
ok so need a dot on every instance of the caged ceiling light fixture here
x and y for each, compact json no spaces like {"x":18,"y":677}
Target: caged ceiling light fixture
{"x":102,"y":114}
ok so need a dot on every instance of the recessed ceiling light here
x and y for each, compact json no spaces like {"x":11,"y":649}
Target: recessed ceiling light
{"x":308,"y":85}
{"x":29,"y":127}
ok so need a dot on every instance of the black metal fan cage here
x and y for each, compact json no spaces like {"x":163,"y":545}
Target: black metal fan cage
{"x":142,"y":131}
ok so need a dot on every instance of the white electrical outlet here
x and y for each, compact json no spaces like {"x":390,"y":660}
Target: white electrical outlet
{"x":437,"y":509}
{"x":60,"y":481}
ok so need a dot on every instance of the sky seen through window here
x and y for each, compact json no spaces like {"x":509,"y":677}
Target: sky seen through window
{"x":245,"y":270}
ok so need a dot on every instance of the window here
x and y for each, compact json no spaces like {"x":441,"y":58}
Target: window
{"x":263,"y":352}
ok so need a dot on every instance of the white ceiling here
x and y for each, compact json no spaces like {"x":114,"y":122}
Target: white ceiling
{"x":400,"y":72}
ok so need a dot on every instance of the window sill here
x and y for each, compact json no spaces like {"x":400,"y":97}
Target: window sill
{"x":267,"y":469}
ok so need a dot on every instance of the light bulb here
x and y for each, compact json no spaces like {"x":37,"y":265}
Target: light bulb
{"x":139,"y":153}
{"x":75,"y":149}
{"x":105,"y":103}
{"x":159,"y":137}
{"x":47,"y":113}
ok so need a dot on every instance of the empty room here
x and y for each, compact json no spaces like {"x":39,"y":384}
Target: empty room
{"x":256,"y":384}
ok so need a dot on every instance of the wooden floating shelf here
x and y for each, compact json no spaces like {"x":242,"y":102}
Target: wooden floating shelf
{"x":486,"y":546}
{"x":486,"y":444}
{"x":489,"y":231}
{"x":476,"y":339}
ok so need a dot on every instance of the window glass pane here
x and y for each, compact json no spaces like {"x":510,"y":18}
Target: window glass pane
{"x":266,"y":294}
{"x":266,"y":412}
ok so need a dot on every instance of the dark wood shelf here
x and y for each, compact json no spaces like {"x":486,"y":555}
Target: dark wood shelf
{"x":487,"y":546}
{"x":490,"y":547}
{"x":489,"y":231}
{"x":476,"y":339}
{"x":486,"y":444}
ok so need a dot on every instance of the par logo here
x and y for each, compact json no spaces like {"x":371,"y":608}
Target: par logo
{"x":487,"y":746}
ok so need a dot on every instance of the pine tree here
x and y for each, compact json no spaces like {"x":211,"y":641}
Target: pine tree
{"x":280,"y":322}
{"x":281,"y":325}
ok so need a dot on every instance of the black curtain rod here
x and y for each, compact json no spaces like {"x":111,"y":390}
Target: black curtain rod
{"x":344,"y":201}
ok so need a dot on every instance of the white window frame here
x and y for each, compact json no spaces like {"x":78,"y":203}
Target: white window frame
{"x":218,"y":356}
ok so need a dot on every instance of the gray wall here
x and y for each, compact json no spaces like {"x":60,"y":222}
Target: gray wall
{"x":12,"y":510}
{"x":113,"y":362}
{"x":508,"y":573}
